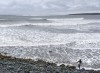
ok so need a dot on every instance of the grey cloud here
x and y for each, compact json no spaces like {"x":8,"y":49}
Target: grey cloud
{"x":31,"y":7}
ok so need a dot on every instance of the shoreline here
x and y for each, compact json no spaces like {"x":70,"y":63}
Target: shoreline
{"x":56,"y":54}
{"x":10,"y":64}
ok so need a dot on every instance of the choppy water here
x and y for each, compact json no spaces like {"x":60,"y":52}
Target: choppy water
{"x":78,"y":35}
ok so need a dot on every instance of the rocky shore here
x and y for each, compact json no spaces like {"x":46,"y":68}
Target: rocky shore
{"x":10,"y":64}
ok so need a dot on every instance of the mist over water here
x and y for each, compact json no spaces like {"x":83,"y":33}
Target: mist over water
{"x":69,"y":38}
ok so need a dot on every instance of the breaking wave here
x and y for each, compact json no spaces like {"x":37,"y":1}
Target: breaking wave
{"x":53,"y":41}
{"x":48,"y":22}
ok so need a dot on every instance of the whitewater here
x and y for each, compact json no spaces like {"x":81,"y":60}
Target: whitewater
{"x":58,"y":40}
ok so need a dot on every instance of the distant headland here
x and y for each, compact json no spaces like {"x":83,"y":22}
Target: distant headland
{"x":86,"y":14}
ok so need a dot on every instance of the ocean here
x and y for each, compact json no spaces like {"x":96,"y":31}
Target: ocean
{"x":58,"y":39}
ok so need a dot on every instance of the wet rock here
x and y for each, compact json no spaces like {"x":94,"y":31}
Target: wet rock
{"x":9,"y":65}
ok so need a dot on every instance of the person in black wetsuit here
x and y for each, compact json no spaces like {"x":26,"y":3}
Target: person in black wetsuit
{"x":79,"y":63}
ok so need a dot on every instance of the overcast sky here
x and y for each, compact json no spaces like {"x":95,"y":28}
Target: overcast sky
{"x":47,"y":7}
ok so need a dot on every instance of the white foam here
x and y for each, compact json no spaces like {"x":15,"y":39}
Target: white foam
{"x":29,"y":37}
